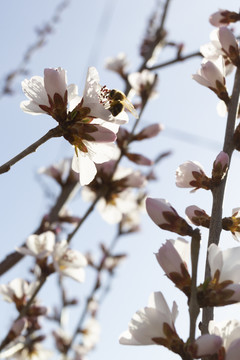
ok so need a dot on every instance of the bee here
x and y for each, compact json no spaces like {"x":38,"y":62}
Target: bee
{"x":118,"y":101}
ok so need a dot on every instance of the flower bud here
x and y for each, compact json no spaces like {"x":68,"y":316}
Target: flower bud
{"x":220,"y":167}
{"x":212,"y":76}
{"x":223,"y":17}
{"x":17,"y":328}
{"x":191,"y":174}
{"x":229,"y":44}
{"x":149,"y":132}
{"x":139,"y":159}
{"x":166,"y":217}
{"x":174,"y":264}
{"x":198,"y":216}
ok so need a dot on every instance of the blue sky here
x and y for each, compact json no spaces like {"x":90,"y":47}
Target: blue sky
{"x":88,"y":33}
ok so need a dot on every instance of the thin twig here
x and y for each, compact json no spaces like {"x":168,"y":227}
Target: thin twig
{"x":88,"y":212}
{"x":55,"y":132}
{"x":193,"y":303}
{"x":176,"y":60}
{"x":42,"y":34}
{"x":160,"y":30}
{"x":218,"y":192}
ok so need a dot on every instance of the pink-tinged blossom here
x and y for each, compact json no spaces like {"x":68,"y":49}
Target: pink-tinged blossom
{"x":225,"y":267}
{"x":39,"y":246}
{"x":191,"y":174}
{"x":223,"y":17}
{"x":143,"y":83}
{"x":118,"y":64}
{"x":212,"y":75}
{"x":229,"y":331}
{"x":69,"y":262}
{"x":156,"y":209}
{"x":91,"y":333}
{"x":226,"y":261}
{"x":166,"y":217}
{"x":209,"y":74}
{"x":173,"y":255}
{"x":148,"y":323}
{"x":17,"y":290}
{"x":92,"y":99}
{"x":206,"y":345}
{"x":121,"y":198}
{"x":55,"y":81}
{"x":217,"y":19}
{"x":213,"y":51}
{"x":95,"y":151}
{"x":112,"y":211}
{"x":41,"y":91}
{"x":229,"y":44}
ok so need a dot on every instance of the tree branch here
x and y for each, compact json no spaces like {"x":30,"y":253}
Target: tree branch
{"x":174,"y":61}
{"x":56,"y":132}
{"x":218,"y":192}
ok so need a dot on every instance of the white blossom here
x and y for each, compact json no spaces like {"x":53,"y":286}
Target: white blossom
{"x":69,"y":262}
{"x":173,"y":254}
{"x":213,"y":51}
{"x":17,"y":289}
{"x":229,"y":331}
{"x":118,"y":64}
{"x":37,"y":90}
{"x":92,"y":99}
{"x":91,"y":333}
{"x":147,"y":323}
{"x":143,"y":83}
{"x":185,"y":174}
{"x":39,"y":246}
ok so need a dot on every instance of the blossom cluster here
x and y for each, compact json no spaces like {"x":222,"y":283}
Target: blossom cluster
{"x":94,"y":126}
{"x":155,"y":323}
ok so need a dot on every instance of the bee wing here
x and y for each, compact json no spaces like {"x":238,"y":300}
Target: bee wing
{"x":130,"y":107}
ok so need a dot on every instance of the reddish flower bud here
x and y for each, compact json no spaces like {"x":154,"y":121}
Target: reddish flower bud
{"x":220,"y":167}
{"x":223,"y":17}
{"x":149,"y":132}
{"x":166,"y":217}
{"x":139,"y":159}
{"x":212,"y":76}
{"x":198,"y":216}
{"x":191,"y":174}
